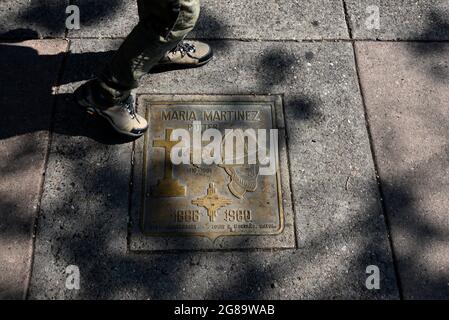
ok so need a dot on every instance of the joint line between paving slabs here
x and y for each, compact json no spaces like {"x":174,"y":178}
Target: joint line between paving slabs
{"x":289,"y":167}
{"x":131,"y":190}
{"x":347,"y":18}
{"x":321,"y":40}
{"x":46,"y":160}
{"x":377,"y":177}
{"x":66,"y":31}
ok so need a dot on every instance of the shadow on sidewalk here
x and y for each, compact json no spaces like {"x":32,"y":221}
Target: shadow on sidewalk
{"x":437,"y":26}
{"x":48,"y":16}
{"x":28,"y":99}
{"x":28,"y":96}
{"x":30,"y":102}
{"x":28,"y":106}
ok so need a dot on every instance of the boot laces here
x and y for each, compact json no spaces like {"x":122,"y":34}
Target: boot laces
{"x":184,"y":48}
{"x":128,"y":105}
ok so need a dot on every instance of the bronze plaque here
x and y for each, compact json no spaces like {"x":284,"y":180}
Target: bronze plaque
{"x":208,"y":201}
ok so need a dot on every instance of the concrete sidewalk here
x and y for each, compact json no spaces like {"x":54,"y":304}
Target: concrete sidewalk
{"x":366,"y":124}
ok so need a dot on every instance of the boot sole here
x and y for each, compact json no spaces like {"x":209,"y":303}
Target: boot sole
{"x":184,"y":65}
{"x":169,"y":66}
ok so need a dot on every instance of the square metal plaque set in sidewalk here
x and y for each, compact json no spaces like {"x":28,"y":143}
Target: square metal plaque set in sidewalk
{"x":199,"y":206}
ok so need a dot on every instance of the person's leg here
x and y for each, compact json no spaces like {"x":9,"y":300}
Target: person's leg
{"x":157,"y":39}
{"x":163,"y":24}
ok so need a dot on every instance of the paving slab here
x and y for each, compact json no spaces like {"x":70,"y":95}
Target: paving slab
{"x":407,"y":99}
{"x":32,"y":19}
{"x":27,"y":102}
{"x":399,"y":19}
{"x":339,"y":224}
{"x":228,"y":19}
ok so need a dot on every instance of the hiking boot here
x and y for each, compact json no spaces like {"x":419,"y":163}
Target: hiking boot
{"x":121,"y":114}
{"x":188,"y":54}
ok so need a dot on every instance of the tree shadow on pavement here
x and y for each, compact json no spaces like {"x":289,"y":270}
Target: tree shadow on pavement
{"x":419,"y":236}
{"x":437,"y":25}
{"x":30,"y":104}
{"x":48,"y":16}
{"x":437,"y":28}
{"x":84,"y":220}
{"x":418,"y":239}
{"x":88,"y":227}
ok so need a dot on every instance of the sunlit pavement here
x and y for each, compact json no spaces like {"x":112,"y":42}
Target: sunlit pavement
{"x":365,"y":92}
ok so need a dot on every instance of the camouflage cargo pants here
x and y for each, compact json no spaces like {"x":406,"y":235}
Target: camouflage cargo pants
{"x":162,"y":25}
